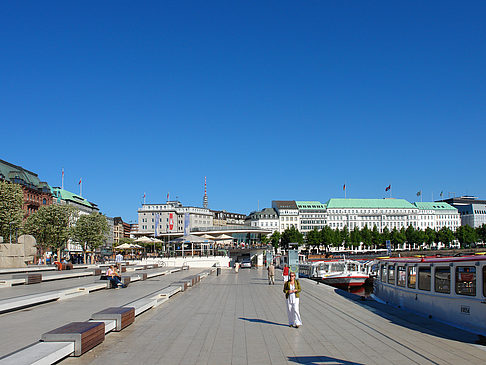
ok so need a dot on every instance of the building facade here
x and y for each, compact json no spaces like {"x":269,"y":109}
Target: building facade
{"x":312,"y":215}
{"x":436,"y":215}
{"x":62,"y":196}
{"x":267,"y":218}
{"x":120,"y":230}
{"x":471,"y":210}
{"x":36,"y":193}
{"x":288,"y":214}
{"x":157,"y":219}
{"x":224,"y":218}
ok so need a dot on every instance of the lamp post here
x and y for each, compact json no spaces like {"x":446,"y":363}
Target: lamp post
{"x":10,"y":231}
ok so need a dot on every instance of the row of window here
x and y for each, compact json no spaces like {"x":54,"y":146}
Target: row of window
{"x":421,"y":278}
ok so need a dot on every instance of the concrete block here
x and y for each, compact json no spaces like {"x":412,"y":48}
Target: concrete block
{"x":124,"y":316}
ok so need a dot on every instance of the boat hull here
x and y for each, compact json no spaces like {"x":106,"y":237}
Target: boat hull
{"x":345,"y":281}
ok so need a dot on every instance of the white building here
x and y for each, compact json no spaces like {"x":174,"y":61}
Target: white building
{"x":267,"y":219}
{"x":436,"y":215}
{"x":312,"y":215}
{"x":288,"y":214}
{"x":171,"y":218}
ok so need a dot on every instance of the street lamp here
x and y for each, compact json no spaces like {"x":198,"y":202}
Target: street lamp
{"x":10,"y":231}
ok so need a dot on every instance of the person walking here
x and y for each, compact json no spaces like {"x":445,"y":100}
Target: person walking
{"x":292,"y":294}
{"x":285,"y":273}
{"x":118,"y":260}
{"x":271,"y":274}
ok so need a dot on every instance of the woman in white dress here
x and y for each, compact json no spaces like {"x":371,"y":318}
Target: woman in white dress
{"x":292,"y":293}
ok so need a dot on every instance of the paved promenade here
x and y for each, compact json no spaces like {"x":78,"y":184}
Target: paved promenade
{"x":240,"y":319}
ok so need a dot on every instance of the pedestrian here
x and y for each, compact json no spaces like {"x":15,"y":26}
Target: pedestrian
{"x":271,"y":274}
{"x":237,"y":267}
{"x":285,"y":273}
{"x":118,"y":260}
{"x":292,"y":294}
{"x":114,"y":277}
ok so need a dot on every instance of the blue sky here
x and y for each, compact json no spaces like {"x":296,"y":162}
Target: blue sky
{"x":270,"y":100}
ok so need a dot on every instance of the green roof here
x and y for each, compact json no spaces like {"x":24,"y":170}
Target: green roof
{"x":370,"y":203}
{"x":309,"y":205}
{"x":19,"y":175}
{"x":68,"y":196}
{"x":434,"y":206}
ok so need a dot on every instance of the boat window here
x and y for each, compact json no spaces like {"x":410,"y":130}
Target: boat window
{"x":466,"y":280}
{"x":383,"y":273}
{"x":424,"y":278}
{"x":484,"y":281}
{"x":412,"y":277}
{"x":391,"y":274}
{"x":401,"y":276}
{"x":442,"y":280}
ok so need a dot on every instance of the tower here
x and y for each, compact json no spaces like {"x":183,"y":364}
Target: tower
{"x":205,"y":198}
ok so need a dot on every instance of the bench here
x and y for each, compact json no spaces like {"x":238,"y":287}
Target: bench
{"x":181,"y":284}
{"x":85,"y":335}
{"x":124,"y":316}
{"x":29,"y":278}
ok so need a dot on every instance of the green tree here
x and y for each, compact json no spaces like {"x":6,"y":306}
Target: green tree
{"x":466,"y":235}
{"x":355,"y":237}
{"x":481,"y":233}
{"x":366,"y":236}
{"x":344,"y":237}
{"x":264,"y":240}
{"x":398,"y":237}
{"x":386,"y":236}
{"x":430,"y":236}
{"x":420,"y":236}
{"x":11,"y":213}
{"x":327,"y":236}
{"x":89,"y":231}
{"x":376,"y":237}
{"x":314,"y":238}
{"x":51,"y":226}
{"x":275,"y":240}
{"x":291,"y":235}
{"x":410,"y":235}
{"x":446,"y":236}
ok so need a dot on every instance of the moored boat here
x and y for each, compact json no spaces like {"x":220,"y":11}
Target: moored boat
{"x":448,"y":289}
{"x":340,"y":273}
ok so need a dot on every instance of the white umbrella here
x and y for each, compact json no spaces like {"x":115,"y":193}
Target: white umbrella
{"x":124,"y":246}
{"x":144,"y":239}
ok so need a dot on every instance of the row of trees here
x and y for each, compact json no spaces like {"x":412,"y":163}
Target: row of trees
{"x":53,"y":226}
{"x":328,"y":237}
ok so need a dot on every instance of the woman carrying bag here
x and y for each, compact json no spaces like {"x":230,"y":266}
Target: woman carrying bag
{"x":292,"y":294}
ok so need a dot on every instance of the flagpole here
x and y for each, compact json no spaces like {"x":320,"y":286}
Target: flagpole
{"x":81,"y":187}
{"x":62,"y":179}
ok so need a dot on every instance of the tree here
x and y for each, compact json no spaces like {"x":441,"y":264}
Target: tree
{"x":430,"y":236}
{"x":51,"y":226}
{"x":314,"y":238}
{"x":466,"y":235}
{"x":376,"y":237}
{"x":446,"y":236}
{"x":264,"y":240}
{"x":344,"y":236}
{"x":410,"y":235}
{"x":291,"y":235}
{"x":275,"y":239}
{"x":90,"y":231}
{"x":420,"y":236}
{"x":11,"y":213}
{"x":481,"y":233}
{"x":386,"y":236}
{"x":366,"y":236}
{"x":398,"y":237}
{"x":327,"y":236}
{"x":355,"y":237}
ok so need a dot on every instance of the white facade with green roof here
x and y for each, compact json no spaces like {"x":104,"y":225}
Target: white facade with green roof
{"x":436,"y":215}
{"x":312,"y":215}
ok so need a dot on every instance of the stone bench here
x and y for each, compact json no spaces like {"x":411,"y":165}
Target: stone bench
{"x":40,"y":353}
{"x":124,"y":316}
{"x":29,"y":278}
{"x":85,"y":335}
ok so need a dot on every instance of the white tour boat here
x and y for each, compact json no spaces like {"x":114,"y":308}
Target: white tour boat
{"x":449,"y":289}
{"x":341,"y":273}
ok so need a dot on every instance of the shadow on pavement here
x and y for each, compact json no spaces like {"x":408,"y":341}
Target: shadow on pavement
{"x":320,"y":360}
{"x":257,"y":320}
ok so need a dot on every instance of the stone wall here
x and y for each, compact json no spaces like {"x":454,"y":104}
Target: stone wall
{"x":18,"y":254}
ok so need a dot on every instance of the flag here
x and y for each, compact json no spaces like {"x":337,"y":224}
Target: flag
{"x":62,"y":172}
{"x":79,"y":183}
{"x":167,"y":196}
{"x":144,"y":195}
{"x":441,"y":194}
{"x":419,"y":193}
{"x":344,"y":187}
{"x":388,"y":187}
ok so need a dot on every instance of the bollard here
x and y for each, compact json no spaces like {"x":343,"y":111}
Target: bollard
{"x":218,"y":271}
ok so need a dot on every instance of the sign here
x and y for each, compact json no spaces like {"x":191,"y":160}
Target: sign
{"x":156,"y":231}
{"x":171,"y":221}
{"x":388,"y":247}
{"x":294,"y":262}
{"x":186,"y":224}
{"x":269,"y":257}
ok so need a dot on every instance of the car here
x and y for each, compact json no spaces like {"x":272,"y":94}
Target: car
{"x":246,"y":263}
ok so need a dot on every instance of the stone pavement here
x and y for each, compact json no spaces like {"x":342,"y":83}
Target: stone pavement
{"x":25,"y":326}
{"x":240,"y":319}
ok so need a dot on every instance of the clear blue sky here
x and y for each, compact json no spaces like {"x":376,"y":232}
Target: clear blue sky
{"x":270,"y":100}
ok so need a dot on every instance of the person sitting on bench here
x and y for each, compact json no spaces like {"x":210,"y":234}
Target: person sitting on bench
{"x":115,"y":278}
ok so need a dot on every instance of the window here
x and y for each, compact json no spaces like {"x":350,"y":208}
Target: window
{"x":466,"y":280}
{"x":383,"y":273}
{"x":412,"y":277}
{"x":442,"y":280}
{"x":401,"y":276}
{"x":424,"y":278}
{"x":391,"y":274}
